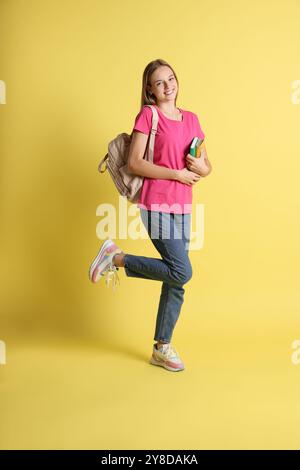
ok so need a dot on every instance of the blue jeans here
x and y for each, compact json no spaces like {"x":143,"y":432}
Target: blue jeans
{"x":170,"y":234}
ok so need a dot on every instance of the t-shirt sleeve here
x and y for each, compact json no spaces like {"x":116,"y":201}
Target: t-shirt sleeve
{"x":143,"y":121}
{"x":198,"y":130}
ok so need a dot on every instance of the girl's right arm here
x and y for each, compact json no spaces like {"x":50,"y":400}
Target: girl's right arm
{"x":139,"y":166}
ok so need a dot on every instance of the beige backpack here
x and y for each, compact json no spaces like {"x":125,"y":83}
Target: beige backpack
{"x":127,"y":184}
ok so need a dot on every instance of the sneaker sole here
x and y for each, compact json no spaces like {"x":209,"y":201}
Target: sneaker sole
{"x":162,"y":364}
{"x":94,"y":263}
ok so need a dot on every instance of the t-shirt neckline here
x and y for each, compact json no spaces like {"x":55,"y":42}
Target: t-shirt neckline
{"x":169,"y":119}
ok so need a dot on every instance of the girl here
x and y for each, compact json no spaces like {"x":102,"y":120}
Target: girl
{"x":165,"y":203}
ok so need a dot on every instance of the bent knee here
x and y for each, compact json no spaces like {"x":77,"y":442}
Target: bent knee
{"x":182,"y":276}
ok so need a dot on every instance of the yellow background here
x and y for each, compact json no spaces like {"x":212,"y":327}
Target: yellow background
{"x":77,"y":372}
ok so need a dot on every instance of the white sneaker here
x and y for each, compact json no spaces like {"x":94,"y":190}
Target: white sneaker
{"x":103,"y":265}
{"x":167,"y":357}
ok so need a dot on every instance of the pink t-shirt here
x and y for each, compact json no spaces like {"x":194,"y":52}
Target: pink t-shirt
{"x":172,"y":142}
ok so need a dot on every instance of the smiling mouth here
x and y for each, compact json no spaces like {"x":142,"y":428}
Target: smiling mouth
{"x":169,"y":92}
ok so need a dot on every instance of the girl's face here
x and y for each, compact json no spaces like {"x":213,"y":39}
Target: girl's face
{"x":163,"y":84}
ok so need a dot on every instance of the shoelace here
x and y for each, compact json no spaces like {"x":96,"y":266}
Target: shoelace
{"x":111,"y":275}
{"x":169,"y":351}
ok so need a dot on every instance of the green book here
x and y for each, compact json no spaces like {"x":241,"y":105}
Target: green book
{"x":195,"y":149}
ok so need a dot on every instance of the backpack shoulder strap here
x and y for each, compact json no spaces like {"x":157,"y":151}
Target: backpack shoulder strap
{"x":154,"y":118}
{"x":152,"y":132}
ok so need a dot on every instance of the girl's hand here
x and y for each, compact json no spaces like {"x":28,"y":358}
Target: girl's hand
{"x":199,"y":165}
{"x":187,"y":177}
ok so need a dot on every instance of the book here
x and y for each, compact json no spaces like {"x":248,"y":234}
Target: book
{"x":195,"y":147}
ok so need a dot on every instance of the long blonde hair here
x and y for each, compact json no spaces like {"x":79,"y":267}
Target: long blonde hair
{"x":146,"y":97}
